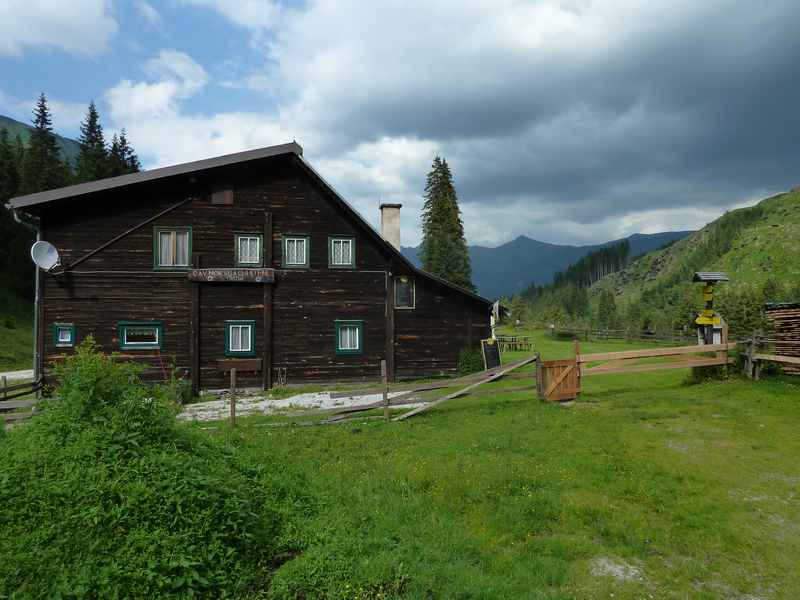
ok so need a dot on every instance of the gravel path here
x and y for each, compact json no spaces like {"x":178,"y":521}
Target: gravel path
{"x":215,"y":410}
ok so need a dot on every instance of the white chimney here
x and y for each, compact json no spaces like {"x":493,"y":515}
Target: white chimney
{"x":390,"y":223}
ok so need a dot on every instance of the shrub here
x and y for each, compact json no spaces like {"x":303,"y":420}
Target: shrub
{"x":105,"y":495}
{"x":470,"y":360}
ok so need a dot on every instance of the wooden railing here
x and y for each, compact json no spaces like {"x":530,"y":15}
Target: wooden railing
{"x":757,"y":353}
{"x":10,"y":404}
{"x":631,"y":335}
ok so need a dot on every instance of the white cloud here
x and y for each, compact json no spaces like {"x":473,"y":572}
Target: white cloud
{"x":76,"y":26}
{"x":149,"y":14}
{"x":66,"y":115}
{"x":251,"y":14}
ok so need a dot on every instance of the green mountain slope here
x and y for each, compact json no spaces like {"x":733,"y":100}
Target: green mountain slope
{"x":759,"y":248}
{"x":69,"y":147}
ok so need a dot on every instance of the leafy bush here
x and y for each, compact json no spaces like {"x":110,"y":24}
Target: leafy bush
{"x":105,"y":495}
{"x":470,"y":360}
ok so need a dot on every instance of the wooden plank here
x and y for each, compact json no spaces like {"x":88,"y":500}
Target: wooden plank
{"x":559,"y":378}
{"x":390,"y":327}
{"x":653,"y":352}
{"x":194,"y":327}
{"x":239,"y":364}
{"x":19,"y":386}
{"x":9,"y":404}
{"x":236,"y":275}
{"x":17,"y":416}
{"x":792,"y":360}
{"x":685,"y":364}
{"x":496,"y":375}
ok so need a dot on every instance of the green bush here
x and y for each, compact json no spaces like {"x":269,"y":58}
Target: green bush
{"x":105,"y":495}
{"x":470,"y":360}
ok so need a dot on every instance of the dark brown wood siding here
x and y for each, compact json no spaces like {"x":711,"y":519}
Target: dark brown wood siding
{"x":119,"y":282}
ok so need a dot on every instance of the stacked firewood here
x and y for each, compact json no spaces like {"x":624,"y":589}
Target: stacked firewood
{"x":784,"y":334}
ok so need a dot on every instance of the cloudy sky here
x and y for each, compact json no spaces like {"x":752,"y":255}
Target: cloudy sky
{"x":568,"y":121}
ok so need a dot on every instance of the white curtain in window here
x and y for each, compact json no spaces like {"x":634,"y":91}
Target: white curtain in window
{"x":296,"y":251}
{"x":182,"y":248}
{"x":236,"y":337}
{"x":346,"y":247}
{"x":64,"y":335}
{"x":165,"y":248}
{"x":348,"y":337}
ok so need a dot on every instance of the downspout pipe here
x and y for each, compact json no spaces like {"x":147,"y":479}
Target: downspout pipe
{"x":33,"y":225}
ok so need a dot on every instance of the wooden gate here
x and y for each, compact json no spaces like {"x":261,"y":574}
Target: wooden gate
{"x":558,"y":380}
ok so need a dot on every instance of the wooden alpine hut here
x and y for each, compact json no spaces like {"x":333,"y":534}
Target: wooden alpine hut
{"x":249,"y":260}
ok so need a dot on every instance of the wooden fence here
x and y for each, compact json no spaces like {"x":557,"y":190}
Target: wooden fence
{"x":630,"y":335}
{"x":560,"y":380}
{"x":10,"y":404}
{"x":757,"y":352}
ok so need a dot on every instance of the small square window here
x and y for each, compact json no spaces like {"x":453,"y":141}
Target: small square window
{"x":349,"y":337}
{"x":404,"y":292}
{"x":64,"y":335}
{"x":249,"y":250}
{"x":172,"y":247}
{"x":341,"y":252}
{"x":296,"y":251}
{"x":240,"y":338}
{"x":140,"y":335}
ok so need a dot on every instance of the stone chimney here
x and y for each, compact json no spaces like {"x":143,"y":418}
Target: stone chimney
{"x":390,"y":223}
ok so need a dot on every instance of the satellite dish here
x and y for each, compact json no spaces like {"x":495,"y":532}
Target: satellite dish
{"x":45,"y":255}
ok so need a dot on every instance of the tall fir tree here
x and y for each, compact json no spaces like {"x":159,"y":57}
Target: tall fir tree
{"x":122,"y":159}
{"x":42,"y":167}
{"x":16,"y":272}
{"x":444,"y":249}
{"x":93,"y":159}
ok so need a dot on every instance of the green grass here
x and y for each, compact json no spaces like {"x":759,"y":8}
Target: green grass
{"x":508,"y":497}
{"x":16,"y":333}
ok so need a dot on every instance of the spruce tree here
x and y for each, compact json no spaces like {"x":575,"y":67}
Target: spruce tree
{"x":444,"y":249}
{"x":42,"y":168}
{"x":92,"y":163}
{"x":9,"y":167}
{"x":122,"y":159}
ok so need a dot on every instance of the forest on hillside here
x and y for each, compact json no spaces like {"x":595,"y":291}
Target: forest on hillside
{"x":589,"y":294}
{"x":39,"y":165}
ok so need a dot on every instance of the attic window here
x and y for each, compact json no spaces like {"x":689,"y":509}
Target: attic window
{"x":248,"y":250}
{"x":295,"y":251}
{"x":404,"y":292}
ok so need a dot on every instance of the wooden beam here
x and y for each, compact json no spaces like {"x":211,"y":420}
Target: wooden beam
{"x":653,"y":352}
{"x":266,"y":379}
{"x":462,"y":392}
{"x":791,"y":360}
{"x":390,"y":374}
{"x":268,"y":240}
{"x":685,"y":364}
{"x":194,"y":331}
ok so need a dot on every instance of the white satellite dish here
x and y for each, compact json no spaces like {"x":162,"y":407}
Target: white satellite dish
{"x":45,"y":255}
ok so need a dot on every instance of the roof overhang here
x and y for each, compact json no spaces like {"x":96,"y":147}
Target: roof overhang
{"x":110,"y":183}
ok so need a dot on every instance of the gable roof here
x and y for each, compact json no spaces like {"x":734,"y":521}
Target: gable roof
{"x":292,"y":148}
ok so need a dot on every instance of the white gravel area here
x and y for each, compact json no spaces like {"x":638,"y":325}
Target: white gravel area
{"x":258,"y":404}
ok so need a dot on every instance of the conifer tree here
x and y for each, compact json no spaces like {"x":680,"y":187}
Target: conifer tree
{"x":92,"y":163}
{"x":607,"y":309}
{"x":122,"y":159}
{"x":16,"y":271}
{"x":9,"y":167}
{"x":444,"y":249}
{"x":42,"y":168}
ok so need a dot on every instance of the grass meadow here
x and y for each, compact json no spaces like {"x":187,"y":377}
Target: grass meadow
{"x":645,"y":487}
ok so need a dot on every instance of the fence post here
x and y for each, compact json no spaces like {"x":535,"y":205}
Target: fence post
{"x":748,"y":363}
{"x":4,"y":386}
{"x":385,"y":381}
{"x":233,"y":397}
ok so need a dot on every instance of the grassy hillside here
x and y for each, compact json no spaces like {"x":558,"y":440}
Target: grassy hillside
{"x":69,"y":147}
{"x":16,"y":333}
{"x":758,"y":246}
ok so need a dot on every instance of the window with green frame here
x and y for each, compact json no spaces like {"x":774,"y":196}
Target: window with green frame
{"x":172,"y":248}
{"x":296,"y":251}
{"x":140,"y":335}
{"x":341,"y":252}
{"x":240,"y":338}
{"x":349,"y":337}
{"x":63,"y":335}
{"x":249,"y":250}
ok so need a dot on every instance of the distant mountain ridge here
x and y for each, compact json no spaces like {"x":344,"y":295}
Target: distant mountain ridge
{"x":69,"y":147}
{"x":510,"y":267}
